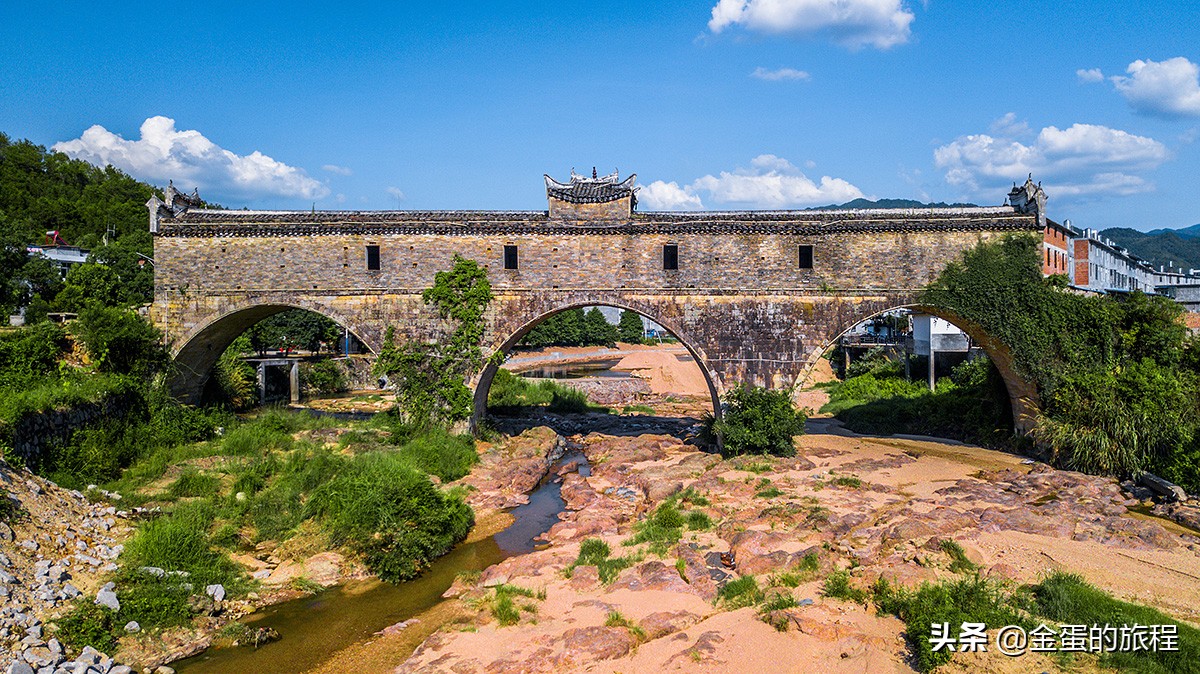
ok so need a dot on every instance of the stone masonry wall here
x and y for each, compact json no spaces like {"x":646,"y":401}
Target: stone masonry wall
{"x":739,"y":300}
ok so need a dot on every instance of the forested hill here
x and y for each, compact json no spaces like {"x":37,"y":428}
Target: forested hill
{"x":1161,"y":247}
{"x":886,"y":203}
{"x":42,"y":190}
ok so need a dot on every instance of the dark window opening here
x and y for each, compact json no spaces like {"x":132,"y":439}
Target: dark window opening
{"x":510,"y":257}
{"x":373,"y":258}
{"x":670,"y":256}
{"x":805,"y":260}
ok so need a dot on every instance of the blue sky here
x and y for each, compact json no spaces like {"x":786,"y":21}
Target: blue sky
{"x":736,"y":104}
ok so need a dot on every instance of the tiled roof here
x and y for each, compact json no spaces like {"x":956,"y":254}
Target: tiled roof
{"x":202,"y":222}
{"x":594,"y":190}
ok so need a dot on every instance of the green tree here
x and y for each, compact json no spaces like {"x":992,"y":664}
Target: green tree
{"x":597,"y":331}
{"x":89,"y":283}
{"x":758,"y":420}
{"x":631,"y":328}
{"x":120,"y":341}
{"x":12,"y":259}
{"x":430,"y":378}
{"x":565,"y":328}
{"x":294,"y":328}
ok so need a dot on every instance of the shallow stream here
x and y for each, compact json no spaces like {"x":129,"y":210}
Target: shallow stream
{"x":314,"y":628}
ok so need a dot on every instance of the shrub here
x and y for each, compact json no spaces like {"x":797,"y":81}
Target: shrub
{"x":325,"y":377}
{"x":392,"y":515}
{"x":89,"y":624}
{"x":119,"y":340}
{"x":758,"y":421}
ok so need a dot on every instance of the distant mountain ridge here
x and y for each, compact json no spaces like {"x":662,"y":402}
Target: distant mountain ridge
{"x":890,"y":203}
{"x":1186,"y":233}
{"x":1177,"y":247}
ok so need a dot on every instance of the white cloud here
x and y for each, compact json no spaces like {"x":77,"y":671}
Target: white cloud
{"x":340,"y":170}
{"x":1090,"y":76}
{"x":1168,"y":88}
{"x":663,"y":196}
{"x":165,"y":153}
{"x":396,"y":193}
{"x":852,"y":23}
{"x":1079,"y":160}
{"x":770,"y":182}
{"x":779,"y":74}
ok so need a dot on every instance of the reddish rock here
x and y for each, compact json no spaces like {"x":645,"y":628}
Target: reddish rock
{"x":653,"y":575}
{"x":589,"y":644}
{"x":662,"y":623}
{"x":584,"y":578}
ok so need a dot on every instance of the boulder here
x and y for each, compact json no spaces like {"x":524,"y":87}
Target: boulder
{"x":108,"y":599}
{"x":589,"y":644}
{"x":1170,"y":491}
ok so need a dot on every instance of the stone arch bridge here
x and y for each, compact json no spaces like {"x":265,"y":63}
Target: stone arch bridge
{"x":755,"y":296}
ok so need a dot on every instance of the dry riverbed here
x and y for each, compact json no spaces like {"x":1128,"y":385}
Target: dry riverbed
{"x":876,"y":506}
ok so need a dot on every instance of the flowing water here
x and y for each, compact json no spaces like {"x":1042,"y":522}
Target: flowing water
{"x":602,"y":368}
{"x":314,"y":628}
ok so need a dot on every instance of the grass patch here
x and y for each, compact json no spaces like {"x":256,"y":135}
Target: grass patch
{"x":440,"y":453}
{"x":179,"y":541}
{"x":959,"y":562}
{"x":664,"y":527}
{"x":973,"y":599}
{"x":777,"y":601}
{"x":697,"y":520}
{"x":615,"y":619}
{"x":837,"y":586}
{"x":504,"y":609}
{"x":637,"y":409}
{"x":595,"y":552}
{"x":693,"y":497}
{"x":192,"y":483}
{"x":769,"y":492}
{"x":756,"y":467}
{"x":848,"y":481}
{"x":511,"y":394}
{"x":1066,"y":598}
{"x":739,"y":593}
{"x":803,"y":572}
{"x":391,"y":514}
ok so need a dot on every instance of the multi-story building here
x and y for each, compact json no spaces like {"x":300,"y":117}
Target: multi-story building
{"x":1171,"y":276}
{"x":1100,"y":265}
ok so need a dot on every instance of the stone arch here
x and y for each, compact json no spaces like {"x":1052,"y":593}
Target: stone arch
{"x":1022,"y":393}
{"x":504,"y":343}
{"x":196,"y":352}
